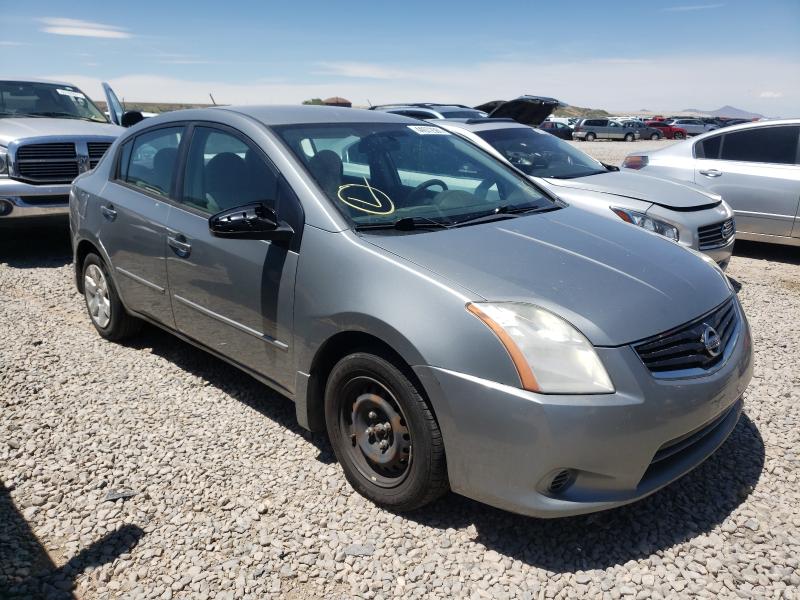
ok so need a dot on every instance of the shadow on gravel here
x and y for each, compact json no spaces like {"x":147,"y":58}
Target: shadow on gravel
{"x":232,"y":381}
{"x":763,"y":251}
{"x":41,"y":244}
{"x":685,"y":509}
{"x":26,"y":570}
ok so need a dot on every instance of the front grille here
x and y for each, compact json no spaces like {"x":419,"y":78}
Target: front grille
{"x":47,"y":163}
{"x":716,"y":235}
{"x":64,"y":150}
{"x":686,"y":441}
{"x":96,"y":152}
{"x":683,"y":347}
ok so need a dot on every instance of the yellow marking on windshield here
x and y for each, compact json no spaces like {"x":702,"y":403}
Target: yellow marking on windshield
{"x":376,"y":206}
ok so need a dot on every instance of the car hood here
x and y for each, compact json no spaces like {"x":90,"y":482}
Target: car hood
{"x":664,"y":192}
{"x":615,"y":283}
{"x":16,"y":129}
{"x":528,"y":110}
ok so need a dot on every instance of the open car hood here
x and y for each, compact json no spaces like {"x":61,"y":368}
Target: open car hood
{"x":528,"y":110}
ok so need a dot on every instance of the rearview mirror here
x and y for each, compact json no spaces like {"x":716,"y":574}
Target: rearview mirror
{"x":249,"y":222}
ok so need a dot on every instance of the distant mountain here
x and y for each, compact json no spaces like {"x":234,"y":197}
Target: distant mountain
{"x":727,"y":111}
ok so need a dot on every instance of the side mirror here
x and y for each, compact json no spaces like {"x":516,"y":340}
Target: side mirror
{"x":249,"y":222}
{"x":131,"y":118}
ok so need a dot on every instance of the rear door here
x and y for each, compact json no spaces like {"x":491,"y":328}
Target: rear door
{"x":756,"y":172}
{"x":134,"y":210}
{"x":614,"y":131}
{"x":234,"y":296}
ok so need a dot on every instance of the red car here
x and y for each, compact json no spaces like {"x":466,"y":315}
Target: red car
{"x":670,"y":132}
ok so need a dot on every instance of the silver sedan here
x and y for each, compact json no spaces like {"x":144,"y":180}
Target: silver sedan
{"x":754,"y":166}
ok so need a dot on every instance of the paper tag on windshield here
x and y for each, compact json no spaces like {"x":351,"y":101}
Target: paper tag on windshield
{"x":428,"y":130}
{"x":70,"y":93}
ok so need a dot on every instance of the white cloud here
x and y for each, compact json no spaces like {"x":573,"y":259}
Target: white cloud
{"x":60,"y":26}
{"x":692,"y":7}
{"x":9,"y":43}
{"x":768,"y":94}
{"x":361,"y":70}
{"x":730,"y":79}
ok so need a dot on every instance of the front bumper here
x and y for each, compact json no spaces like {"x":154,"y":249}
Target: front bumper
{"x":505,"y":445}
{"x":19,"y":200}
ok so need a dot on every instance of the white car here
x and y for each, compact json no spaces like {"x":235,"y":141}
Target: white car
{"x":754,"y":166}
{"x":686,"y":214}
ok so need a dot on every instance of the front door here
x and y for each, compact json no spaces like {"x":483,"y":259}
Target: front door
{"x":234,"y":296}
{"x":134,"y":213}
{"x":755,"y":172}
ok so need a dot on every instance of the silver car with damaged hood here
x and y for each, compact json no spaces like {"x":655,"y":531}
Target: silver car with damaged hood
{"x":448,"y":322}
{"x":681,"y":212}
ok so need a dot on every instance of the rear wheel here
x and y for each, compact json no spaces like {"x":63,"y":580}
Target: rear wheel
{"x":384,"y":433}
{"x":590,"y":137}
{"x":105,"y":309}
{"x":629,"y":137}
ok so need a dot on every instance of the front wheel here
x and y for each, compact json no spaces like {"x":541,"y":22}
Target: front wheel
{"x":105,"y":308}
{"x":678,"y":136}
{"x":655,"y":137}
{"x":384,"y":433}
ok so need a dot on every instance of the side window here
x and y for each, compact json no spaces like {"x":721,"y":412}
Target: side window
{"x":124,"y":160}
{"x":152,"y":158}
{"x":223,"y":171}
{"x":708,"y":148}
{"x":777,"y":145}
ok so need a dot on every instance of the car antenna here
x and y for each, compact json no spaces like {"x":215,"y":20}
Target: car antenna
{"x":212,"y":99}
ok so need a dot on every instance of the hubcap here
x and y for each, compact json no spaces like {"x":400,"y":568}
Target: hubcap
{"x":374,"y":424}
{"x":95,"y":289}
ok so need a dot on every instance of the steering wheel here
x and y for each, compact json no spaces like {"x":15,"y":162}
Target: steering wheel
{"x":412,"y":195}
{"x":483,"y":188}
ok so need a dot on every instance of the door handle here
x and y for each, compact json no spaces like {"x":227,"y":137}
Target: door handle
{"x":179,"y":245}
{"x":711,"y":173}
{"x":109,"y":212}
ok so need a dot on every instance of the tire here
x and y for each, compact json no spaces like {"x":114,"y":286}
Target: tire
{"x":364,"y":394}
{"x":590,"y":137}
{"x":105,"y":309}
{"x":629,"y":137}
{"x":677,"y":136}
{"x":655,"y":137}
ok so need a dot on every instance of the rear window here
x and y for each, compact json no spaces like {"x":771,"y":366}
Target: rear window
{"x":777,"y":145}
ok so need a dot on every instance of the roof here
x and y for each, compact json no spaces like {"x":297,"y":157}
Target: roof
{"x":295,"y":114}
{"x":488,"y":124}
{"x":748,"y":125}
{"x":35,"y":80}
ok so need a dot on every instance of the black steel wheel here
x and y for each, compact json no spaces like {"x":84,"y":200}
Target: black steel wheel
{"x":383,"y":433}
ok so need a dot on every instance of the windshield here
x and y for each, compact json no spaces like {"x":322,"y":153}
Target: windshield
{"x":29,"y":99}
{"x":541,"y":154}
{"x":380,"y":173}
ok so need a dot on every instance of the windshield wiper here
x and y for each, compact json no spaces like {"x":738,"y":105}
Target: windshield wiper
{"x":404,"y":224}
{"x":504,"y":211}
{"x":63,"y":115}
{"x":576,"y":175}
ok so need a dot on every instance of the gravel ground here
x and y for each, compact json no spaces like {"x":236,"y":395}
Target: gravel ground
{"x":224,"y":496}
{"x":613,"y":153}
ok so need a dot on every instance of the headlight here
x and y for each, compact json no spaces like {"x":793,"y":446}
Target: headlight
{"x":648,"y":223}
{"x":550,"y":355}
{"x":3,"y":162}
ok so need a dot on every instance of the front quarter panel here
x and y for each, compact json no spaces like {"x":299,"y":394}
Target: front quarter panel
{"x":345,"y":284}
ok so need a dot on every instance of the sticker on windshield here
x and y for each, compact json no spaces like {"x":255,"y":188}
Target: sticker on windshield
{"x":428,"y":130}
{"x":366,"y":198}
{"x":71,"y":94}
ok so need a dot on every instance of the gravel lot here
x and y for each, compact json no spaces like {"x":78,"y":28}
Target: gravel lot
{"x":229,"y":498}
{"x":613,"y":153}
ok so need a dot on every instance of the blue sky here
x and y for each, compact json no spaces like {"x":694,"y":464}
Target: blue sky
{"x":666,"y":55}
